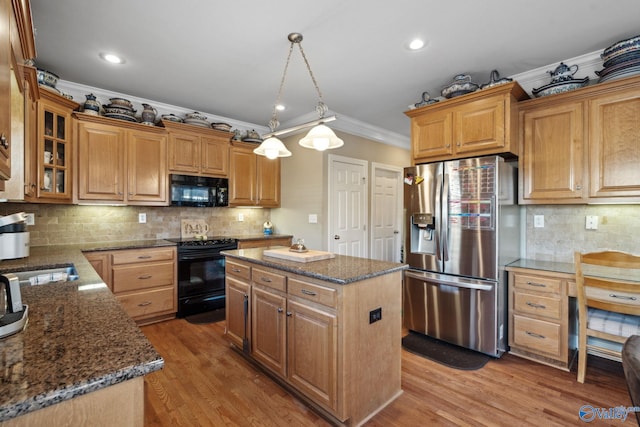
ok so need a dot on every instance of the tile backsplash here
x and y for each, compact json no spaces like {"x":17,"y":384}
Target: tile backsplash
{"x":564,"y":230}
{"x":66,"y":224}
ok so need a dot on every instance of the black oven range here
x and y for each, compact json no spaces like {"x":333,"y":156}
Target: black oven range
{"x":201,"y":274}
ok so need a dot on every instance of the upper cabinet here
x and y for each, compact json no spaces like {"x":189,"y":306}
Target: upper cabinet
{"x":253,"y":180}
{"x":582,"y":146}
{"x":481,"y":123}
{"x":16,"y":45}
{"x":49,"y":170}
{"x":120,"y":162}
{"x":198,"y":151}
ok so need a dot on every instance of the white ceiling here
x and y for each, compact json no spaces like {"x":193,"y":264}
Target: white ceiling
{"x":227,"y":57}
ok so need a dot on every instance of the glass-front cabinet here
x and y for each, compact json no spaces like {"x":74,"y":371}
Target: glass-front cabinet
{"x":54,"y":149}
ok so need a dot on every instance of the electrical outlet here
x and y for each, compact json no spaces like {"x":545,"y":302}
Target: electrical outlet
{"x":538,"y":221}
{"x":375,"y":315}
{"x":240,"y":217}
{"x":30,"y":219}
{"x":591,"y":222}
{"x":142,"y":218}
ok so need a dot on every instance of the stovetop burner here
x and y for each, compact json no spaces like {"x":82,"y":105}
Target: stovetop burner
{"x":211,"y":241}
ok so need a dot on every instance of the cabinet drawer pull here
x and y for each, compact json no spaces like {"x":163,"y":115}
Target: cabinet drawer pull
{"x":144,"y":304}
{"x":265,"y":279}
{"x":540,"y":285}
{"x":3,"y":141}
{"x":289,"y":314}
{"x":144,"y":257}
{"x":534,"y":305}
{"x":146,"y":276}
{"x":623,"y":297}
{"x":306,"y":292}
{"x":533,"y":334}
{"x":235,"y":270}
{"x":280,"y":310}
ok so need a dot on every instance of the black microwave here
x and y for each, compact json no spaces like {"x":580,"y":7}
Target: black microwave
{"x":199,"y":191}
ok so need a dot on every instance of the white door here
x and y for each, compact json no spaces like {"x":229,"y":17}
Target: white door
{"x":386,"y":212}
{"x":348,"y":206}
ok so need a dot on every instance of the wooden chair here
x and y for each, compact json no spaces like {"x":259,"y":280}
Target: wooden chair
{"x":608,"y":288}
{"x":631,"y":366}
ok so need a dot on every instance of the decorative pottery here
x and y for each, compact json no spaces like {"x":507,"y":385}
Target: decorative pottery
{"x":172,"y":118}
{"x":495,"y":80}
{"x":237,"y":135}
{"x":121,"y":102}
{"x":563,"y":73}
{"x":560,"y":87}
{"x":196,"y":116}
{"x":221,"y":126}
{"x":621,"y":48}
{"x":252,"y":136}
{"x":461,"y":85}
{"x":91,"y":105}
{"x":426,"y":100}
{"x":148,"y":114}
{"x":47,"y":78}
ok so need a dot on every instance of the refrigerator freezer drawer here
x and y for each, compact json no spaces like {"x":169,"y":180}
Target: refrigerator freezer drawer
{"x":457,"y":310}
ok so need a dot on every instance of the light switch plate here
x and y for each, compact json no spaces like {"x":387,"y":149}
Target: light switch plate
{"x":538,"y":221}
{"x":591,"y":222}
{"x":313,"y":219}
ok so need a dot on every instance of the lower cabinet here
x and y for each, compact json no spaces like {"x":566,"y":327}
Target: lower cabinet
{"x":540,"y":317}
{"x":313,"y":335}
{"x":143,"y":280}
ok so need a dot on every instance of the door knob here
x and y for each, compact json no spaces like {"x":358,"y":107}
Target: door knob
{"x":396,"y":232}
{"x":336,"y":237}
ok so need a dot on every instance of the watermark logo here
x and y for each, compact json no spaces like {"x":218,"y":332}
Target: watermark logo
{"x":588,"y":413}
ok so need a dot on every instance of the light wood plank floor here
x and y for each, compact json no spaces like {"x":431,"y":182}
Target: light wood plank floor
{"x":206,"y":383}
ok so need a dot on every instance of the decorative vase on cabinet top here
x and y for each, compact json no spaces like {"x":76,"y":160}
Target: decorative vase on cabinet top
{"x":148,"y":115}
{"x":91,"y":105}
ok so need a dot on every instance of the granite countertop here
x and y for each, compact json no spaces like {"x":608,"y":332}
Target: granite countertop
{"x":552,"y":266}
{"x":341,"y":270}
{"x":78,"y":338}
{"x":261,"y":236}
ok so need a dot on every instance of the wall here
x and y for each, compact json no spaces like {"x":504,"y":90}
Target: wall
{"x":66,"y":224}
{"x":305,"y":180}
{"x":564,"y":230}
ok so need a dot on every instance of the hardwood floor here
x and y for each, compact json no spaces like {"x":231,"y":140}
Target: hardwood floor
{"x":206,"y":383}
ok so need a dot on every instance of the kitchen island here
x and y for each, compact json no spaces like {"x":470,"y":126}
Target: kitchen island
{"x":328,"y":331}
{"x":81,"y":359}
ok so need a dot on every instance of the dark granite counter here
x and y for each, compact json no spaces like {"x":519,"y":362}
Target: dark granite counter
{"x":78,"y":338}
{"x":341,"y":269}
{"x":261,"y":237}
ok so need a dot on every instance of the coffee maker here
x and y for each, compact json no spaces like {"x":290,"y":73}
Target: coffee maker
{"x":14,"y":239}
{"x":13,"y":314}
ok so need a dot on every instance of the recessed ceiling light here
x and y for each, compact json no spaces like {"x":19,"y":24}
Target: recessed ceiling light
{"x":280,"y":107}
{"x":114,"y":59}
{"x":416,"y":44}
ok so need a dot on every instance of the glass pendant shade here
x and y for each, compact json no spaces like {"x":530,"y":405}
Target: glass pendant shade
{"x":321,"y":138}
{"x":272,"y":148}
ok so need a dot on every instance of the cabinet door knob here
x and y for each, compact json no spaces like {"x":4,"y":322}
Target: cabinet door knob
{"x":289,"y":314}
{"x":578,"y":187}
{"x":280,"y":310}
{"x":3,"y":141}
{"x":336,"y":237}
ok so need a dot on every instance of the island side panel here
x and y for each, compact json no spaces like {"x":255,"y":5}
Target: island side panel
{"x":372,"y":350}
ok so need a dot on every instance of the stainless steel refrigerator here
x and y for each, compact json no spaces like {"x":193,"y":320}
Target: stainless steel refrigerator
{"x":462,"y":228}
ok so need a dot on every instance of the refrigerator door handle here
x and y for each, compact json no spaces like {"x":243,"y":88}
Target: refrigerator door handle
{"x":444,"y":221}
{"x":451,"y":281}
{"x":438,"y":219}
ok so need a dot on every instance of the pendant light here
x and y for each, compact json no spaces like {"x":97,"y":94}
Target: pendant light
{"x":320,"y":137}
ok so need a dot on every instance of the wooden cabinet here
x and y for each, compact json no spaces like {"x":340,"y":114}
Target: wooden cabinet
{"x":552,"y":156}
{"x":312,"y":335}
{"x":540,"y":315}
{"x":121,"y":163}
{"x":198,"y":151}
{"x":481,"y":123}
{"x":53,"y":150}
{"x":582,"y":146}
{"x":144,"y":280}
{"x":253,"y":180}
{"x":17,"y":44}
{"x":264,"y":242}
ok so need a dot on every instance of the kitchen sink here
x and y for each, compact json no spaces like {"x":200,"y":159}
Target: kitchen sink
{"x":49,"y":275}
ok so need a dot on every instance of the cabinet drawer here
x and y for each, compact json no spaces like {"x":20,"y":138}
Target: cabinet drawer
{"x":233,"y":268}
{"x":134,"y":277}
{"x":144,"y":255}
{"x":537,"y":335}
{"x":312,"y":292}
{"x":546,"y":306}
{"x":148,"y":302}
{"x":267,"y":278}
{"x":537,"y":283}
